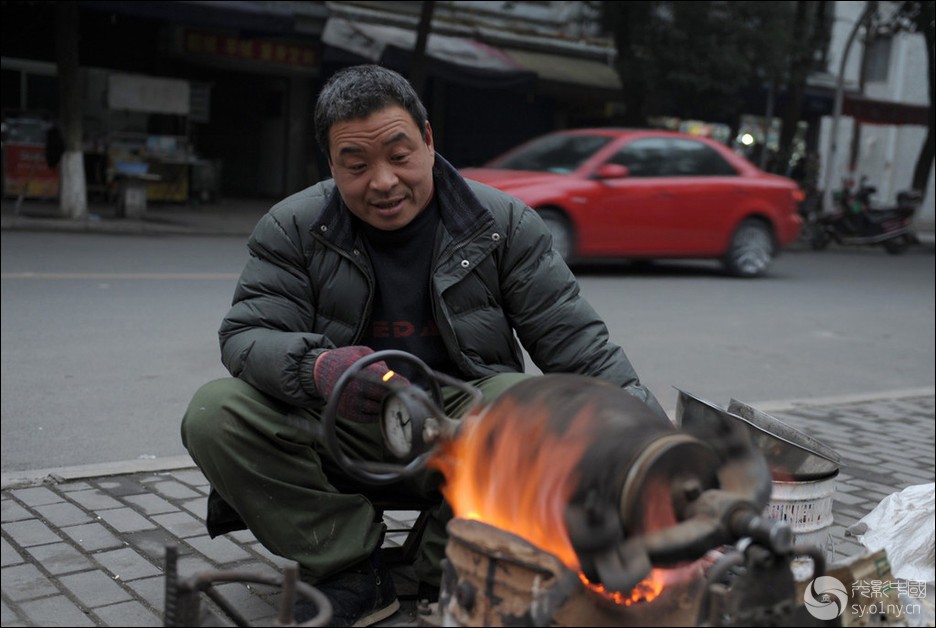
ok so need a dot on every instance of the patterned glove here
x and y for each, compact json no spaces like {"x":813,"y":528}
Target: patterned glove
{"x":362,"y":396}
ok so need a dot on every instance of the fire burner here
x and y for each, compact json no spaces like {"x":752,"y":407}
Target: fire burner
{"x":575,"y":504}
{"x":494,"y":578}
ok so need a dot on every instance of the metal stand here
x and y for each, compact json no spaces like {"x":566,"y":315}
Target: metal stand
{"x":183,"y":596}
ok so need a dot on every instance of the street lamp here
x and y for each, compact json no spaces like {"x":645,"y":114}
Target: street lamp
{"x":869,"y":11}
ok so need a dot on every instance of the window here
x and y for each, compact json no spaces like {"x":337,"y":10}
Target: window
{"x":688,"y":158}
{"x":560,"y":154}
{"x":666,"y":157}
{"x":644,"y":158}
{"x":877,"y":59}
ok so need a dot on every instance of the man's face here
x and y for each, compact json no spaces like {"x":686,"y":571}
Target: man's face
{"x":382,"y":166}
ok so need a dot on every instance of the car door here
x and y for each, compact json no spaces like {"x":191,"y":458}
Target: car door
{"x":704,"y":191}
{"x":627,"y":215}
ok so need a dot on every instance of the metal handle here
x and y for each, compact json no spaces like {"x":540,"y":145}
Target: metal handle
{"x":374,"y":472}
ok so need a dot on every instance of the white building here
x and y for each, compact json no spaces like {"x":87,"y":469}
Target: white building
{"x":895,"y":71}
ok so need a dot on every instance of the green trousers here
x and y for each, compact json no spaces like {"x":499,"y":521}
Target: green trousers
{"x":262,"y":458}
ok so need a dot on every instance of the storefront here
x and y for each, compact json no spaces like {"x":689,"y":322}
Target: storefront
{"x":26,"y":171}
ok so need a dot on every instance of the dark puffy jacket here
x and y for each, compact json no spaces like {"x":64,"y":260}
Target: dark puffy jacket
{"x":308,"y":287}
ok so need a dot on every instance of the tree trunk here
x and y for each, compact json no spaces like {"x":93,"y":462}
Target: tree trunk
{"x":73,"y":195}
{"x":418,"y":69}
{"x":808,"y":28}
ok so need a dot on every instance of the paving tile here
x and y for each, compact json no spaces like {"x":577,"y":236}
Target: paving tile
{"x":30,"y":532}
{"x":94,"y":588}
{"x":150,"y":590}
{"x":121,"y":485}
{"x":36,"y":496}
{"x":251,"y":607}
{"x":149,"y":504}
{"x":92,"y":536}
{"x":191,"y":477}
{"x":8,"y":616}
{"x":131,"y":613}
{"x":126,"y":520}
{"x":69,"y":487}
{"x":126,"y":564}
{"x":174,"y":490}
{"x":152,"y":543}
{"x":13,"y":511}
{"x":95,"y":500}
{"x":63,"y":514}
{"x":9,"y":554}
{"x":60,"y":558}
{"x":181,"y":524}
{"x":55,"y":611}
{"x":198,"y":507}
{"x":220,"y":550}
{"x":26,"y":582}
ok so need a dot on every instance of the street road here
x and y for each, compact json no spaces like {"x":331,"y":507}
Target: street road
{"x":105,"y":338}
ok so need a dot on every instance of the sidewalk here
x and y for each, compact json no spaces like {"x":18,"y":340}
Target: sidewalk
{"x":225,"y":217}
{"x":86,"y":546}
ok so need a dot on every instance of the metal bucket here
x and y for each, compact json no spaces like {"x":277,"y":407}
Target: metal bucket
{"x":807,"y":507}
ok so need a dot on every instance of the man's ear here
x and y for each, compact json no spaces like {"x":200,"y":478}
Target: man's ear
{"x":428,"y":138}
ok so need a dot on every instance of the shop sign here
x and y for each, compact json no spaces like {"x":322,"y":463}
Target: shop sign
{"x":26,"y":173}
{"x":261,"y":50}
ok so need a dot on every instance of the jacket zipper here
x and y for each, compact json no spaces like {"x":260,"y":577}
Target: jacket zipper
{"x":359,"y":332}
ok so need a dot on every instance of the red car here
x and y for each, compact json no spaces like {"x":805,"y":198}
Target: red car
{"x":645,"y":194}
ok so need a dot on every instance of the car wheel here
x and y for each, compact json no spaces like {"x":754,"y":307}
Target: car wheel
{"x":819,"y":239}
{"x":560,"y":230}
{"x":897,"y":245}
{"x":751,"y":249}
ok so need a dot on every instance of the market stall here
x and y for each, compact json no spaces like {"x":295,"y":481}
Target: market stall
{"x":26,"y":171}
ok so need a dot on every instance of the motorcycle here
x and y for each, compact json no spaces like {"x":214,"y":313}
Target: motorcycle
{"x":855,"y":221}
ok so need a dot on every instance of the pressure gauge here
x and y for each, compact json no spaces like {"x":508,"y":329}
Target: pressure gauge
{"x":396,"y":423}
{"x":412,"y":419}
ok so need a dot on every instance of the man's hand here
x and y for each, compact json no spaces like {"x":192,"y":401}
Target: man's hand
{"x":360,"y":401}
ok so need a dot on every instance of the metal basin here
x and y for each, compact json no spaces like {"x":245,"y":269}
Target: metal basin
{"x":791,"y":454}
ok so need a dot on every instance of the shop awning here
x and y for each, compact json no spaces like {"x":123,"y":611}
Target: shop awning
{"x":455,"y":58}
{"x":463,"y":59}
{"x":567,"y":70}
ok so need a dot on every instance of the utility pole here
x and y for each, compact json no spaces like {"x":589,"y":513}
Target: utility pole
{"x":869,"y":11}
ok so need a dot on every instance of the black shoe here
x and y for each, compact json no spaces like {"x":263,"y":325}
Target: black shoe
{"x":427,"y":593}
{"x":361,"y":595}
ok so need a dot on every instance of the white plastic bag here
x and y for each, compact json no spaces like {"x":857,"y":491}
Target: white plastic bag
{"x":902,"y":525}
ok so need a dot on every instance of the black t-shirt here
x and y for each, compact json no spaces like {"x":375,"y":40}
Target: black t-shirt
{"x":402,"y":315}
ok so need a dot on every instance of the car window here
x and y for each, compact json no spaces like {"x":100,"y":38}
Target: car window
{"x":669,"y":157}
{"x":644,"y":157}
{"x":689,"y":158}
{"x":561,"y":154}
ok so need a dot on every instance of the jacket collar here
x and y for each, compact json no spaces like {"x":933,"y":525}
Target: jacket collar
{"x":461,"y":211}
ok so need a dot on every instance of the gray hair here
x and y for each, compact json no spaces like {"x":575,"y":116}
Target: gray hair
{"x":359,"y":91}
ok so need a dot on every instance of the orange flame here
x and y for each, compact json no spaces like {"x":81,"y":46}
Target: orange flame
{"x":507,"y":468}
{"x":646,"y":590}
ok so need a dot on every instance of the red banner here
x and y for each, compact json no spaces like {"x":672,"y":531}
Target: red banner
{"x":26,"y":173}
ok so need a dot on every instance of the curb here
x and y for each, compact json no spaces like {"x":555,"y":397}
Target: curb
{"x":54,"y":475}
